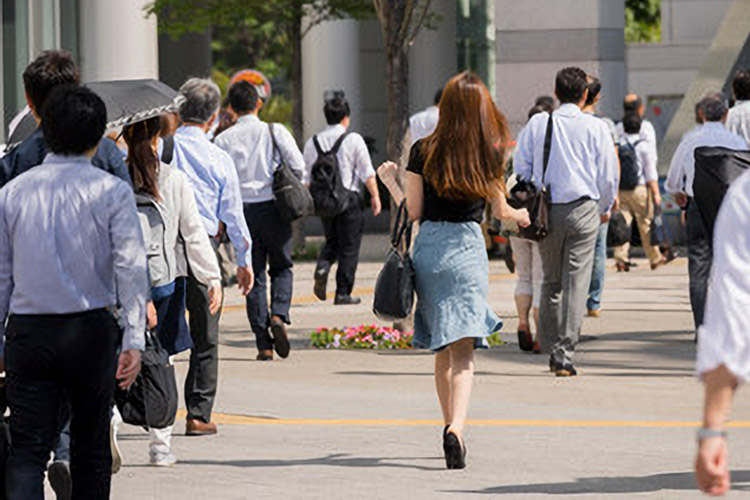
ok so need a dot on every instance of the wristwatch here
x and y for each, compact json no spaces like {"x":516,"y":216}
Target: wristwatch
{"x":707,"y":433}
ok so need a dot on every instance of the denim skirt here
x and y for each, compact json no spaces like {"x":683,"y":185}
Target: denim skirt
{"x":451,"y":267}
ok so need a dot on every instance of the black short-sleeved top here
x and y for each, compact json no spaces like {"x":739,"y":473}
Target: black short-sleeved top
{"x":437,"y":208}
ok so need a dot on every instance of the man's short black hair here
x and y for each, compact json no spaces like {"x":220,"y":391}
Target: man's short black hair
{"x":714,"y":107}
{"x":336,"y":110}
{"x":632,"y":106}
{"x":547,"y":102}
{"x":438,"y":96}
{"x":50,"y":69}
{"x":741,"y":85}
{"x":631,"y":123}
{"x":73,"y":120}
{"x":595,"y":86}
{"x":243,"y":97}
{"x":570,"y":85}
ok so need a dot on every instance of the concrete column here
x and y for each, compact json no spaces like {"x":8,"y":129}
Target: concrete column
{"x":117,"y":40}
{"x":532,"y":47}
{"x":186,"y":57}
{"x":330,"y":61}
{"x":432,"y":58}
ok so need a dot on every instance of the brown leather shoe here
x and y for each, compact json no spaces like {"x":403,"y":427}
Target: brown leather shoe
{"x":594,"y":313}
{"x":265,"y":355}
{"x":195,"y":427}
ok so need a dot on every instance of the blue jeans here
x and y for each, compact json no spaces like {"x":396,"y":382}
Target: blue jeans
{"x":596,"y":288}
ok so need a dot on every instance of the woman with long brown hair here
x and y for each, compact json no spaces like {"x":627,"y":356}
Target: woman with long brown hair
{"x":451,"y":175}
{"x":175,"y":240}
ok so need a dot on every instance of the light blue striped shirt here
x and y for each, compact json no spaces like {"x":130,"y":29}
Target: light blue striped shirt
{"x":213,"y":176}
{"x":70,"y":241}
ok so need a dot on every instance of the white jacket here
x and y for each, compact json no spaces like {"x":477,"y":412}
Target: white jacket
{"x":185,"y":239}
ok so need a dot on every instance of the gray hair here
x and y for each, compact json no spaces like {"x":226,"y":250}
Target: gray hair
{"x":714,"y":106}
{"x":199,"y":99}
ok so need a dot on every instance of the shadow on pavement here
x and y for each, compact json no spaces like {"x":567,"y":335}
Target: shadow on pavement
{"x":335,"y":460}
{"x":683,"y":481}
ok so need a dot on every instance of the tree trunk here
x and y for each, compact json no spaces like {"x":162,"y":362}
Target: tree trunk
{"x":397,"y":74}
{"x":296,"y":39}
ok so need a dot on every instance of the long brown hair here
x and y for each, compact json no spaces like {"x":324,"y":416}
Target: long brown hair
{"x":143,"y":163}
{"x":465,"y":156}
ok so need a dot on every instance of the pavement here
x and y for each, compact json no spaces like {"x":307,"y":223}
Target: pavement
{"x":328,"y":424}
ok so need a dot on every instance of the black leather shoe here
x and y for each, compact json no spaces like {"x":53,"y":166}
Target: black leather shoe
{"x":346,"y":300}
{"x":321,"y":284}
{"x":566,"y":371}
{"x":455,"y":452}
{"x":280,"y":339}
{"x":525,"y":340}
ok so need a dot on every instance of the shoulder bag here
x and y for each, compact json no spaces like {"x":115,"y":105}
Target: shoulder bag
{"x":526,"y":195}
{"x":394,"y":288}
{"x":293,"y":199}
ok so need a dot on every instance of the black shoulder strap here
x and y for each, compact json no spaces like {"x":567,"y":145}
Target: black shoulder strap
{"x":167,"y":151}
{"x":339,"y":142}
{"x":274,"y":143}
{"x":318,"y":149}
{"x":547,"y":147}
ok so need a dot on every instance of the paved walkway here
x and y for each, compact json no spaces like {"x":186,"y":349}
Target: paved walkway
{"x":351,"y":425}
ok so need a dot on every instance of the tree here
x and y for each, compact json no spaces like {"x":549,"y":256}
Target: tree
{"x":400,"y":22}
{"x":256,"y":20}
{"x":642,"y":21}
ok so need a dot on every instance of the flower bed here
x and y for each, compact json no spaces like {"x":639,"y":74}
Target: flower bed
{"x":370,"y":337}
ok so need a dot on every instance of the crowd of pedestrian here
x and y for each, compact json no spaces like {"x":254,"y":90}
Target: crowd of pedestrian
{"x":148,"y":208}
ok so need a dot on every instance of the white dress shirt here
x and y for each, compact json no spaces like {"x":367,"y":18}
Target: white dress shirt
{"x":354,"y":158}
{"x":212,"y":174}
{"x":682,"y":170}
{"x":738,"y":120}
{"x":250,"y":146}
{"x":645,"y":158}
{"x":423,"y":123}
{"x":724,"y":337}
{"x":582,"y":162}
{"x":70,"y":241}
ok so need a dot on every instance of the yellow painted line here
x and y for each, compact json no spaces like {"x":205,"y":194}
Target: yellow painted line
{"x":230,"y":419}
{"x":312,"y":299}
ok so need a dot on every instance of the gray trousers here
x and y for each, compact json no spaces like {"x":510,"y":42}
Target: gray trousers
{"x":567,"y":259}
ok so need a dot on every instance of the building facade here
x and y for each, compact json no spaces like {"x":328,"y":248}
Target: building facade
{"x":110,"y":39}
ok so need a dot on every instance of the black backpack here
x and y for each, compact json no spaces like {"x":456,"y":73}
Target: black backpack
{"x":327,"y":190}
{"x":629,"y":175}
{"x":293,"y":200}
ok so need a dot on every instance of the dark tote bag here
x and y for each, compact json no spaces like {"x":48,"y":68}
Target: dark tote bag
{"x":619,"y":231}
{"x":152,"y":399}
{"x":394,"y":288}
{"x":537,"y":201}
{"x":293,"y":199}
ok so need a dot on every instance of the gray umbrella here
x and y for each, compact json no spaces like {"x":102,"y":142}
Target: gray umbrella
{"x":127,"y":101}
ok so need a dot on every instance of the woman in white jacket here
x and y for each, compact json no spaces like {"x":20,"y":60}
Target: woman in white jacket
{"x":175,"y":239}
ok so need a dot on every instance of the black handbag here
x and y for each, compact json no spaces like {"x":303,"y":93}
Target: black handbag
{"x":537,"y":201}
{"x":394,"y":288}
{"x":619,"y":231}
{"x":152,"y":399}
{"x":293,"y":199}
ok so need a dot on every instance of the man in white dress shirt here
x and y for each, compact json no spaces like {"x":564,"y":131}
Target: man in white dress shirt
{"x":71,"y":251}
{"x":582,"y":179}
{"x":214,"y":180}
{"x":738,"y":120}
{"x":251,"y":146}
{"x":343,"y":232}
{"x":680,"y":184}
{"x":425,"y":122}
{"x":723,"y":360}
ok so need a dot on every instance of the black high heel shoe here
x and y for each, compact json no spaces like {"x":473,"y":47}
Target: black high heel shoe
{"x":455,"y":451}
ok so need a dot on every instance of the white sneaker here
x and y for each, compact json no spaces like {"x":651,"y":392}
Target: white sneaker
{"x":114,"y":426}
{"x":163,"y":459}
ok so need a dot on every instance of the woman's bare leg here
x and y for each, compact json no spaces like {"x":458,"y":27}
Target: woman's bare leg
{"x":462,"y":376}
{"x":443,"y":383}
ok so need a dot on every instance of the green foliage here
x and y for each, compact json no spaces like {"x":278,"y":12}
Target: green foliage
{"x":642,"y":21}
